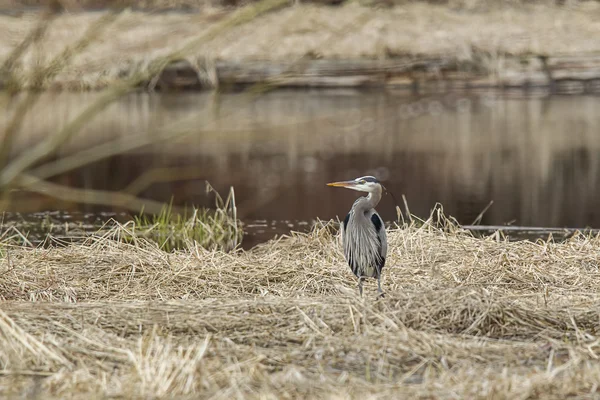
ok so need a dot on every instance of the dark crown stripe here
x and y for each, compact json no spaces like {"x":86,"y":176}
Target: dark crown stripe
{"x":369,"y":179}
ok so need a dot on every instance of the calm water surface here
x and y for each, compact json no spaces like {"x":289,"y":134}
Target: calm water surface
{"x":536,"y":157}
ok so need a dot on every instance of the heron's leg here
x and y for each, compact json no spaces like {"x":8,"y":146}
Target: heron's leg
{"x":381,"y":294}
{"x":360,"y":278}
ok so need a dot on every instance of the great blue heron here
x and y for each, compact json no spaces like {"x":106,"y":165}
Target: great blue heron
{"x":363,"y":232}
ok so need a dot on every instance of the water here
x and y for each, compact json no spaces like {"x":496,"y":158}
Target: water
{"x":535,"y":157}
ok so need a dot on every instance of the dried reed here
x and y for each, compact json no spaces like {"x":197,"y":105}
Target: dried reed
{"x":464,"y":317}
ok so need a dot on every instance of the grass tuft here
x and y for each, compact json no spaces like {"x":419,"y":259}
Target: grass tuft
{"x":211,"y":229}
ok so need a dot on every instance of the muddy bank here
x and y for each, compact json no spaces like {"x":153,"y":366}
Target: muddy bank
{"x":416,"y":46}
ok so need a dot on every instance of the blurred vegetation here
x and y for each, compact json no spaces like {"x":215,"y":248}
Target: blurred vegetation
{"x":36,"y":169}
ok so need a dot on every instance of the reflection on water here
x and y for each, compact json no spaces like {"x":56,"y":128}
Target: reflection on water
{"x":536,"y":158}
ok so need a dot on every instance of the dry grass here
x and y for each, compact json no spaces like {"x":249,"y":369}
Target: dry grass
{"x":464,"y":31}
{"x":463,"y":318}
{"x":77,"y":5}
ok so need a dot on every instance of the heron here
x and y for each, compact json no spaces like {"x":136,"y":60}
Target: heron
{"x":363,"y":233}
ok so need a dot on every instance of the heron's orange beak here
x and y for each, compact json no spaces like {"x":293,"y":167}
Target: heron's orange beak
{"x":342,"y":184}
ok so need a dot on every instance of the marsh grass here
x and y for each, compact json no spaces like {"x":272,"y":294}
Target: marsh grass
{"x":211,"y":229}
{"x":464,"y":317}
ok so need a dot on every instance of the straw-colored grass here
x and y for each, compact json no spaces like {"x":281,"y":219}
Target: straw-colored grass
{"x":463,"y":318}
{"x":195,"y":5}
{"x":461,"y":30}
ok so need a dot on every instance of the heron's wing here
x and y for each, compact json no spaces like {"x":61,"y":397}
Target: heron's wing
{"x":381,"y":235}
{"x":345,"y":245}
{"x":345,"y":224}
{"x":344,"y":229}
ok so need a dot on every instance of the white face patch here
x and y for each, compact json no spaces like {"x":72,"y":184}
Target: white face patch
{"x":366,"y":184}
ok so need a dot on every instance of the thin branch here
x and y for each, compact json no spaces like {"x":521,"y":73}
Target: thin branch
{"x":7,"y":70}
{"x":15,"y":124}
{"x":100,"y":152}
{"x":34,"y":35}
{"x":240,"y":17}
{"x":25,"y":373}
{"x":157,"y":175}
{"x":46,"y":147}
{"x":62,"y":60}
{"x":87,"y":196}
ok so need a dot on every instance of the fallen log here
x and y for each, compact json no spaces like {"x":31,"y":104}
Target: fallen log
{"x":560,"y":74}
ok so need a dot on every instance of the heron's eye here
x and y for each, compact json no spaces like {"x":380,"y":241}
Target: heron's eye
{"x":362,"y":181}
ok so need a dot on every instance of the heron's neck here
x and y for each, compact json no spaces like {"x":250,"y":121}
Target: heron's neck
{"x":371,"y":200}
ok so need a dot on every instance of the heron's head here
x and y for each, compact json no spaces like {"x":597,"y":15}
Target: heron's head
{"x":367,"y":184}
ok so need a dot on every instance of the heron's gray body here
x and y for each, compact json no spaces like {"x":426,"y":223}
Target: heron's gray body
{"x":364,"y":239}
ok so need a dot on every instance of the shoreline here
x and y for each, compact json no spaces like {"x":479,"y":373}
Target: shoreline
{"x":570,"y":74}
